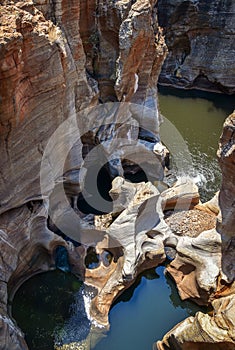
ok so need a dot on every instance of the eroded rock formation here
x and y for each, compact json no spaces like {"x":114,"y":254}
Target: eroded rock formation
{"x":58,"y":62}
{"x":56,"y":59}
{"x":27,"y":248}
{"x":226,"y":224}
{"x":204,"y":331}
{"x":204,"y":267}
{"x":200,"y":39}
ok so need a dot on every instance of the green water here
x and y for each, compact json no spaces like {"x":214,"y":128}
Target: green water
{"x":50,"y":307}
{"x":198,"y":117}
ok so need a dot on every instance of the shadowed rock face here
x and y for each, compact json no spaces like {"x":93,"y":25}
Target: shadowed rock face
{"x":27,"y":248}
{"x":200,"y":39}
{"x":226,"y":224}
{"x":49,"y":73}
{"x":57,"y":58}
{"x":43,"y":82}
{"x":213,"y":277}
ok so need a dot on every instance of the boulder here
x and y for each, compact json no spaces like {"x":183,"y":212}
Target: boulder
{"x":183,"y":195}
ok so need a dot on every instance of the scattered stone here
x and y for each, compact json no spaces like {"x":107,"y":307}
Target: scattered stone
{"x":189,"y":223}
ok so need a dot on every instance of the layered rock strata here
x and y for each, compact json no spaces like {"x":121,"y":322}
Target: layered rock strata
{"x":56,"y":59}
{"x":47,"y":77}
{"x":226,"y":224}
{"x":200,"y":39}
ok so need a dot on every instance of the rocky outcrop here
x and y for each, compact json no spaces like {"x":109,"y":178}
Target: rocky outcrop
{"x":59,"y":61}
{"x":43,"y":82}
{"x":211,"y":206}
{"x":197,"y":266}
{"x":135,"y":238}
{"x":47,"y":75}
{"x":204,"y":331}
{"x":200,"y":40}
{"x":56,"y":59}
{"x":204,"y":267}
{"x":27,"y":248}
{"x":182,"y":195}
{"x":226,"y":223}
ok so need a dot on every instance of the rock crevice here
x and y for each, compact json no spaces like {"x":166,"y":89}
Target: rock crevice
{"x":200,"y":40}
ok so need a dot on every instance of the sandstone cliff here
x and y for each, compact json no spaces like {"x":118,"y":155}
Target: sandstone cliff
{"x":57,"y":58}
{"x":200,"y":38}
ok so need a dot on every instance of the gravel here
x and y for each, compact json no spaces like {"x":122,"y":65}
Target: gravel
{"x":190,"y":223}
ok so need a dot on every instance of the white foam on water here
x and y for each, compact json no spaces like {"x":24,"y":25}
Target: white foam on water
{"x":88,"y":295}
{"x":205,"y":173}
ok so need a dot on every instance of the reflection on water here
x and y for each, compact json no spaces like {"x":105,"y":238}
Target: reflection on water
{"x":50,"y":309}
{"x":199,"y":117}
{"x":145,"y":312}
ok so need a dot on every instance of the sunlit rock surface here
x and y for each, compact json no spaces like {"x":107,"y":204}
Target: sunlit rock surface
{"x":135,"y":238}
{"x":204,"y":331}
{"x":211,"y":206}
{"x":204,"y":267}
{"x":197,"y":265}
{"x":200,"y":39}
{"x":226,"y":224}
{"x":56,"y":59}
{"x":136,"y":234}
{"x":183,"y":195}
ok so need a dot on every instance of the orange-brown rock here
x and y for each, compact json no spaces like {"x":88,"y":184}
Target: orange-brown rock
{"x":202,"y":332}
{"x":204,"y":267}
{"x":57,"y":58}
{"x":43,"y":82}
{"x":47,"y":75}
{"x":183,"y":195}
{"x":128,"y":238}
{"x":211,"y":206}
{"x":226,"y":224}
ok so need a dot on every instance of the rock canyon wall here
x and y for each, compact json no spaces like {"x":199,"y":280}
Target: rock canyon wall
{"x":56,"y":59}
{"x":200,"y":38}
{"x":61,"y":64}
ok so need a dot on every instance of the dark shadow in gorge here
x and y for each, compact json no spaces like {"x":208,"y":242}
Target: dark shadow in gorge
{"x":175,"y":299}
{"x":225,"y":102}
{"x":96,"y":187}
{"x":128,"y":293}
{"x":46,"y":309}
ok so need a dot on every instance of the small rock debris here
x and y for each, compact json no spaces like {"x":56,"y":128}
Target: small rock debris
{"x":189,"y":223}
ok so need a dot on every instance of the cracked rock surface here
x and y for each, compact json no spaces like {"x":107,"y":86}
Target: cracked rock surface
{"x":200,"y":39}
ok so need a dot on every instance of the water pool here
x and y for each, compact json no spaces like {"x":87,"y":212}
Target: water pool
{"x":50,"y":308}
